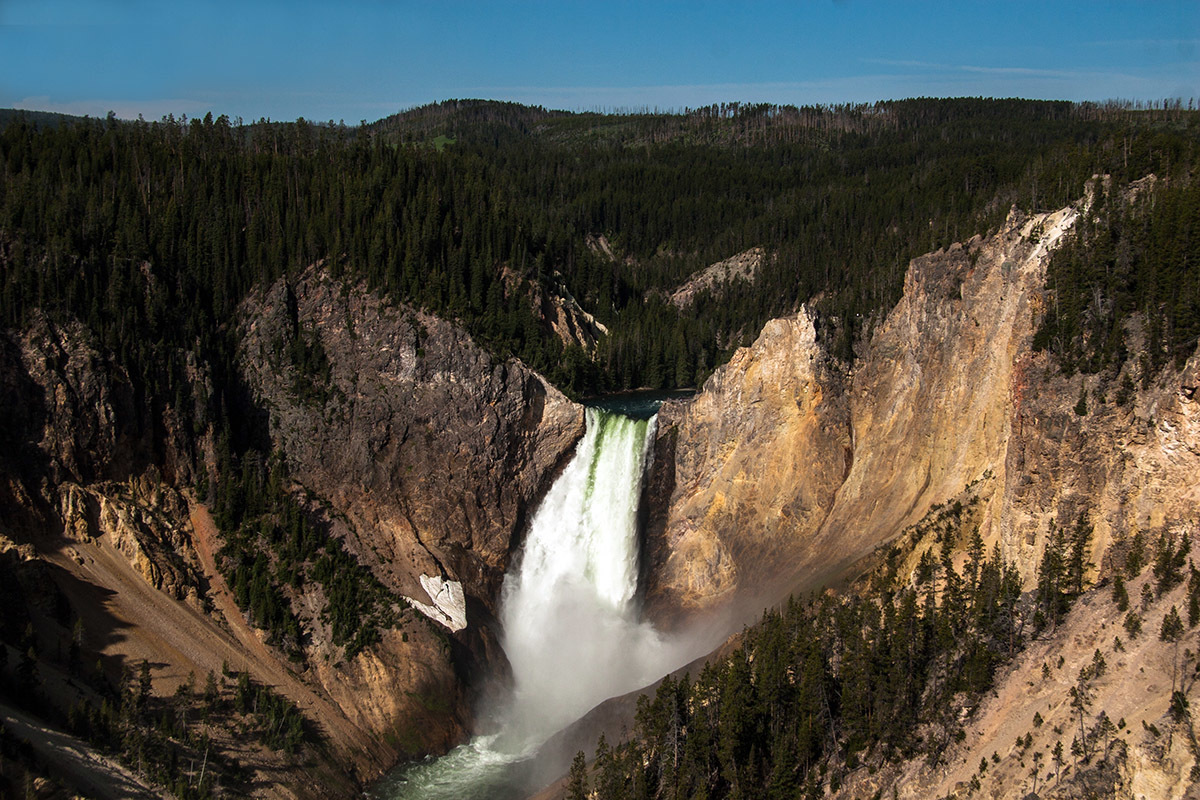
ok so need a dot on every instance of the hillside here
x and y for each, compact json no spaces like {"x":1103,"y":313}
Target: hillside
{"x":138,"y":593}
{"x":476,"y":230}
{"x":1018,"y":552}
{"x":280,"y":400}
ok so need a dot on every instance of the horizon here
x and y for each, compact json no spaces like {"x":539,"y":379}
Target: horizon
{"x":1158,"y":104}
{"x":1165,"y":103}
{"x":367,"y":60}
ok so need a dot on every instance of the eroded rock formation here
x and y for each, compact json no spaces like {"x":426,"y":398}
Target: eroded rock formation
{"x":751,"y":465}
{"x":429,"y":448}
{"x":716,"y":278}
{"x":786,"y":459}
{"x":417,"y":449}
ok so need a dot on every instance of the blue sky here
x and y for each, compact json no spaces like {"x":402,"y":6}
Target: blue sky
{"x":365,"y":59}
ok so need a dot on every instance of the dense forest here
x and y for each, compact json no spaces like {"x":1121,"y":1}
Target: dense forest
{"x":888,"y":672}
{"x":1126,"y":283}
{"x":455,"y":207}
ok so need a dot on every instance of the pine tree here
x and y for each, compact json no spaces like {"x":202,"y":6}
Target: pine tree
{"x":1172,"y":631}
{"x":1077,"y":563}
{"x":1120,"y":595}
{"x":144,"y":684}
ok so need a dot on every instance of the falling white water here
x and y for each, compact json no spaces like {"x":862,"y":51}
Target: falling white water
{"x":568,"y":610}
{"x":570,"y":628}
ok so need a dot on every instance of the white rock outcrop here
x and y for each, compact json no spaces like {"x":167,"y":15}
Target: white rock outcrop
{"x":449,"y":604}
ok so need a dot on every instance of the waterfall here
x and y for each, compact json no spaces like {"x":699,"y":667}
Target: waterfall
{"x":569,"y":616}
{"x":570,"y":627}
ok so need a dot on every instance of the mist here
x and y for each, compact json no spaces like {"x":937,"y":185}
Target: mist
{"x":569,"y":614}
{"x":568,"y":610}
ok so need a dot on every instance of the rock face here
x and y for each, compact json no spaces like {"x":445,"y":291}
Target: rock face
{"x":716,"y":277}
{"x":751,"y":465}
{"x":432,"y":451}
{"x":1131,"y":468}
{"x":931,"y":400}
{"x":553,"y":304}
{"x":69,"y":414}
{"x":80,"y":457}
{"x":418,"y":450}
{"x":141,"y":519}
{"x":784,"y":458}
{"x":785,"y":465}
{"x":562,"y":312}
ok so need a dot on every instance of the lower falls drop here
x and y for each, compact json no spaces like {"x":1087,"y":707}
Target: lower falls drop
{"x":570,"y":620}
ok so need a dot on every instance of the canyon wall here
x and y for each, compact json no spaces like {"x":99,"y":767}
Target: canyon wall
{"x":750,"y":465}
{"x":413,"y":446}
{"x":785,"y":458}
{"x":430,"y":449}
{"x":788,"y":472}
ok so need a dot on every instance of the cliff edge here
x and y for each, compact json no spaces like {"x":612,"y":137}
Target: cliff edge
{"x":788,"y":457}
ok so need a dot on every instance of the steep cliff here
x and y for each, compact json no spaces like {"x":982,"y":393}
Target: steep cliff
{"x":428,"y":449}
{"x":80,"y":466}
{"x":1078,"y":446}
{"x":950,"y":423}
{"x":750,"y":464}
{"x":785,"y":456}
{"x":404,"y":440}
{"x":820,"y":464}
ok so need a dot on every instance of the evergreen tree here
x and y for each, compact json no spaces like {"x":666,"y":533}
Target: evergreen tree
{"x":577,"y":782}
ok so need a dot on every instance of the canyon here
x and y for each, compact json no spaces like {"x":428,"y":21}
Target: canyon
{"x":425,"y":457}
{"x":787,"y":458}
{"x":790,"y":457}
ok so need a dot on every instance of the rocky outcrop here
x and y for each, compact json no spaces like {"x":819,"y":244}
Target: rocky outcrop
{"x":931,"y":398}
{"x":717,"y":277}
{"x":81,"y":459}
{"x":70,"y":413}
{"x":143,"y":519}
{"x":784,"y":456}
{"x":417,"y":449}
{"x":551,"y":302}
{"x":750,"y":464}
{"x":1130,"y":466}
{"x":559,"y":309}
{"x":429,"y":451}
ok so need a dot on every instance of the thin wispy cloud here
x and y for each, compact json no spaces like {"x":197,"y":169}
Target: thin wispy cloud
{"x":1031,"y":72}
{"x":896,"y":62}
{"x":1143,"y":43}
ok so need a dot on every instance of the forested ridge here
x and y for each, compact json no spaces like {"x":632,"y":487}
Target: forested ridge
{"x":119,"y":222}
{"x":1132,"y":257}
{"x":151,"y":234}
